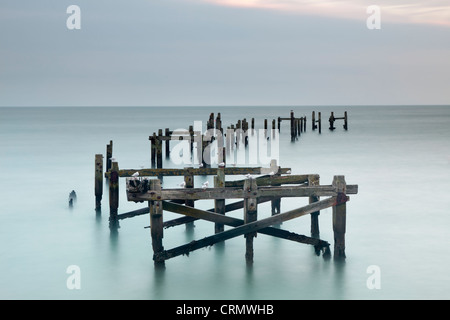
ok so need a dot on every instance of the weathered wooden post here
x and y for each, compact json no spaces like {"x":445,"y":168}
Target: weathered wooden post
{"x":191,"y":141}
{"x":276,"y":202}
{"x":153,"y":149}
{"x":313,"y":121}
{"x":292,"y":126}
{"x":98,"y":181}
{"x":339,"y":218}
{"x":320,"y":122}
{"x":331,"y":120}
{"x":189,"y":184}
{"x":167,"y":143}
{"x":159,"y":149}
{"x":219,"y":204}
{"x":114,"y":195}
{"x":250,"y":215}
{"x":304,"y":124}
{"x":279,"y":124}
{"x":156,"y":222}
{"x":345,"y":121}
{"x":109,"y":154}
{"x":313,"y":180}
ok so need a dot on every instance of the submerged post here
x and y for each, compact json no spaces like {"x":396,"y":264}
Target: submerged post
{"x":98,"y":180}
{"x":339,"y":218}
{"x":109,"y":152}
{"x":159,"y":149}
{"x":331,"y":120}
{"x":189,"y":184}
{"x":292,"y":126}
{"x":156,"y":222}
{"x":167,"y":143}
{"x":250,"y":215}
{"x":219,"y":204}
{"x":320,"y":122}
{"x":313,"y":180}
{"x":114,"y":195}
{"x":153,"y":149}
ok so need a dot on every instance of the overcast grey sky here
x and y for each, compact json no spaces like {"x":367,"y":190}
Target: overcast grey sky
{"x":223,"y":52}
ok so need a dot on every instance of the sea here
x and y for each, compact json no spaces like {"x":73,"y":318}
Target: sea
{"x":397,"y":232}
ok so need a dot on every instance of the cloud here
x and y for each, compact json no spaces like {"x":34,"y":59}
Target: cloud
{"x":435,"y":12}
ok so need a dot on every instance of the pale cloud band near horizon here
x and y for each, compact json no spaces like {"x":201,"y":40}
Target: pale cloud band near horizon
{"x":433,"y":12}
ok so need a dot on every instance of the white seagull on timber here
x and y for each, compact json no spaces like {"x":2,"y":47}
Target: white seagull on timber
{"x":182,"y":184}
{"x":205,"y":185}
{"x":222,"y":164}
{"x":136,"y":174}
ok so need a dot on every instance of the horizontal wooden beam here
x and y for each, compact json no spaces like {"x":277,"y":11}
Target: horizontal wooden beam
{"x":124,"y":173}
{"x":249,"y":227}
{"x":238,"y":193}
{"x":272,"y":180}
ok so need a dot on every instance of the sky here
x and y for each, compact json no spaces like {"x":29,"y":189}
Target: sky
{"x":224,"y":53}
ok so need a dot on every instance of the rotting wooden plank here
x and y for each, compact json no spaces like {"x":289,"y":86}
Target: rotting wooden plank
{"x":126,"y":173}
{"x":247,"y":228}
{"x":268,"y":180}
{"x":238,"y":193}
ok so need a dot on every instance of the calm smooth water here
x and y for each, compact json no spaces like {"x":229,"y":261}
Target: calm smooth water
{"x":399,"y":221}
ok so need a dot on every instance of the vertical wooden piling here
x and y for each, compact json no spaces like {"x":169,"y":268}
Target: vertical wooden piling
{"x":304,"y":124}
{"x":345,"y":121}
{"x":153,"y":149}
{"x":331,"y":120}
{"x":292,"y":126}
{"x":219,"y":204}
{"x":98,"y":180}
{"x":189,"y":184}
{"x":114,"y":195}
{"x":159,"y":149}
{"x":313,"y":121}
{"x":156,"y":222}
{"x":250,"y":215}
{"x":320,"y":122}
{"x":339,"y":219}
{"x":279,"y":124}
{"x":109,"y":153}
{"x":167,"y":143}
{"x":191,"y":140}
{"x":313,"y":180}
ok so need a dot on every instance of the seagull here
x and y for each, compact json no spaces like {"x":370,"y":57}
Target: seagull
{"x":272,"y":173}
{"x":222,"y":164}
{"x":205,"y":185}
{"x":182,"y":184}
{"x":288,"y":172}
{"x":248,"y":176}
{"x":136,"y":174}
{"x":200,"y":165}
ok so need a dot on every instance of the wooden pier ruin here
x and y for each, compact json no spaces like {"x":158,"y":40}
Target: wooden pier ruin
{"x":261,"y":184}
